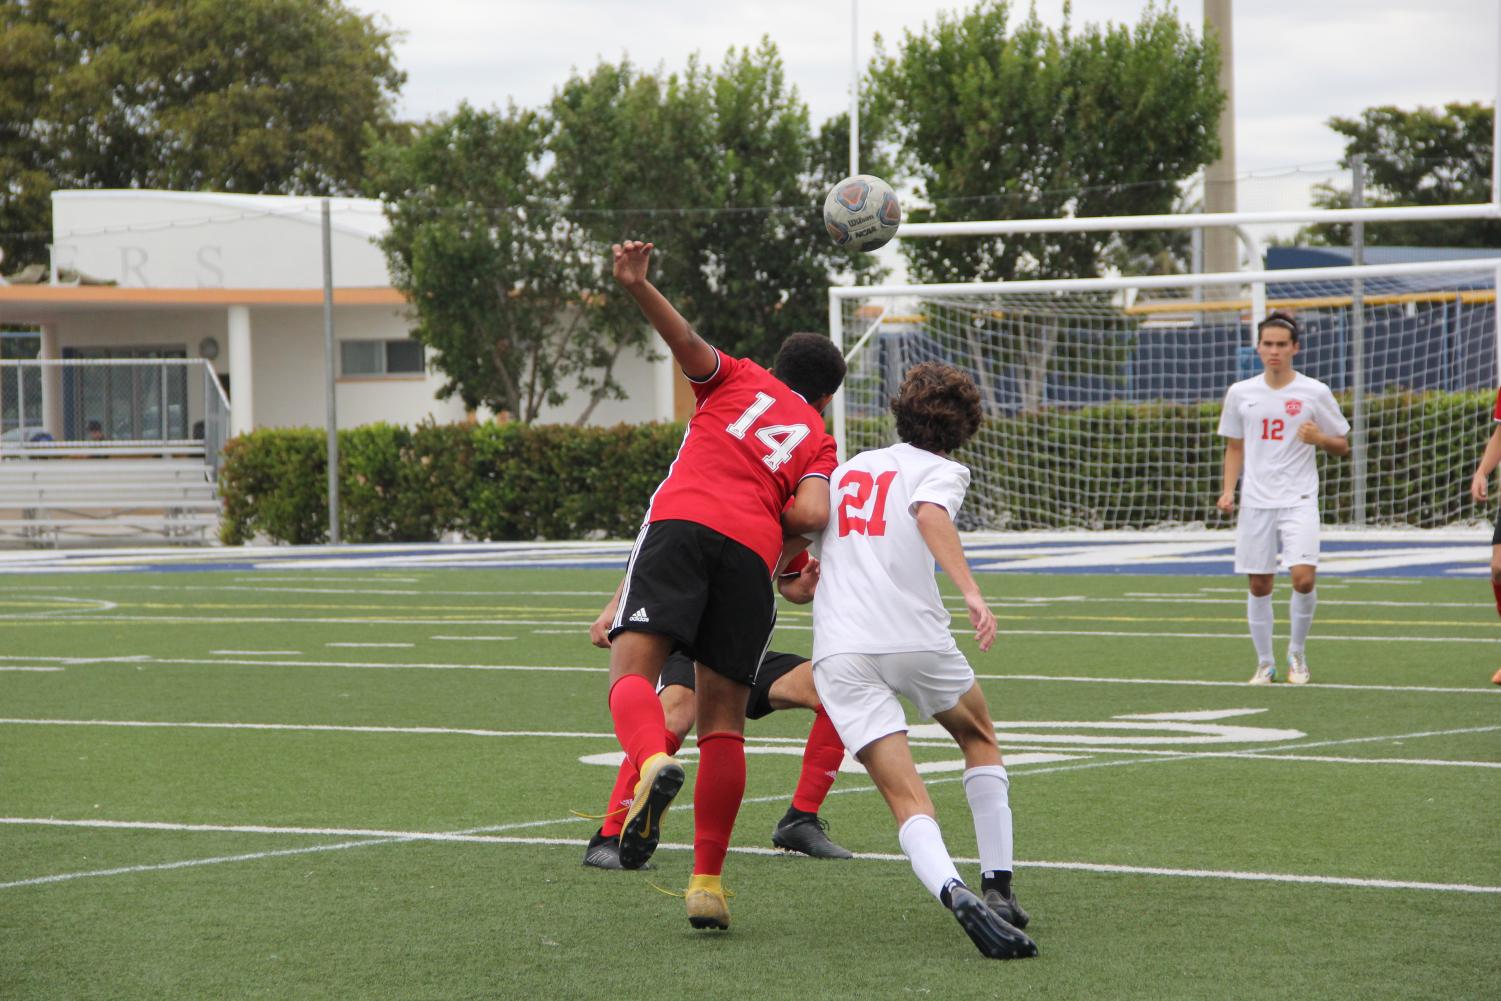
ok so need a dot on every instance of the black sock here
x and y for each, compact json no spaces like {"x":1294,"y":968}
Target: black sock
{"x":946,"y":894}
{"x":793,"y":813}
{"x":998,"y":880}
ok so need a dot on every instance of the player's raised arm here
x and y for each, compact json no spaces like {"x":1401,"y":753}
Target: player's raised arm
{"x":697,"y":359}
{"x":938,"y":531}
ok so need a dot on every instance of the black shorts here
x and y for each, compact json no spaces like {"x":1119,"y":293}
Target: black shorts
{"x":679,"y":671}
{"x":710,"y":594}
{"x":1496,"y":535}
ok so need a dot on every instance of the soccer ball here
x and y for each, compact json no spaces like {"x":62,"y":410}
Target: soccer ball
{"x":862,"y":212}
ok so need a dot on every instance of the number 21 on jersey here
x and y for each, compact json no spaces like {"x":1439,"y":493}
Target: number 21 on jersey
{"x":856,"y":500}
{"x":780,"y":438}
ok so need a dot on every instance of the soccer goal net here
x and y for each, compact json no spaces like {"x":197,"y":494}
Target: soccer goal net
{"x":1102,"y":396}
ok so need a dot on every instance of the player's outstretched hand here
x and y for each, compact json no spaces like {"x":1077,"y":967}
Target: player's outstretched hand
{"x":631,"y":260}
{"x":982,"y":618}
{"x":1480,"y":487}
{"x":1310,"y":432}
{"x":1226,"y":503}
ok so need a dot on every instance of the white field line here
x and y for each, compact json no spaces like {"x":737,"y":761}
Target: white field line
{"x":256,"y":653}
{"x":1489,"y":690}
{"x":395,"y":646}
{"x":1261,"y":754}
{"x":31,"y":619}
{"x":142,"y":659}
{"x":21,"y":667}
{"x":474,"y":639}
{"x":396,"y":837}
{"x":1167,"y":598}
{"x":392,"y":837}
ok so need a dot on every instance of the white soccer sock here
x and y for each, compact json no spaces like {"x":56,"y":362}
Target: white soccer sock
{"x":1259,"y":615}
{"x":1300,"y":608}
{"x":987,"y":787}
{"x":923,"y":843}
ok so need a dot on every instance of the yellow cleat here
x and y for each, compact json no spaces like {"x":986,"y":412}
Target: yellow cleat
{"x":706,"y":904}
{"x":661,"y":778}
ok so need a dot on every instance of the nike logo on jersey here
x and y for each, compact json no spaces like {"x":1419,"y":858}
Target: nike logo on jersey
{"x":640,"y":615}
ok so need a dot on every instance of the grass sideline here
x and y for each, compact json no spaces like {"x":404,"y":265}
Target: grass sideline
{"x":375,"y":799}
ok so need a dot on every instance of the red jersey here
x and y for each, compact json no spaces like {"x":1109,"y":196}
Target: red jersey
{"x":1497,"y":413}
{"x":750,"y":442}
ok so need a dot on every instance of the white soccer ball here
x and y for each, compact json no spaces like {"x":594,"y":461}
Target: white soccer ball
{"x":862,"y":212}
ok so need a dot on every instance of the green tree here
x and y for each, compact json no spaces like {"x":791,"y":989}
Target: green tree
{"x":722,"y":170}
{"x":997,"y":122}
{"x":498,"y":277}
{"x":256,"y":96}
{"x":1419,"y":157}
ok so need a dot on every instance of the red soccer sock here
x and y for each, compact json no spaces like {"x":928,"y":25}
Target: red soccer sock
{"x":625,"y":791}
{"x":639,"y":721}
{"x":821,"y":757}
{"x":1496,"y":590}
{"x":716,"y":798}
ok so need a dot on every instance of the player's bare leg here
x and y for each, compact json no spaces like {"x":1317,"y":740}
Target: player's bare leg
{"x":1300,"y":613}
{"x":1259,"y":616}
{"x":987,"y":787}
{"x":888,"y":760}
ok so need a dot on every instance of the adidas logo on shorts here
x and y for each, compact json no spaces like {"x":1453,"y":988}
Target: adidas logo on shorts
{"x":640,"y":615}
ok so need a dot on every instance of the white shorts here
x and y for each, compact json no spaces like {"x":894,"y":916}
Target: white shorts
{"x":1259,"y":529}
{"x":859,"y":690}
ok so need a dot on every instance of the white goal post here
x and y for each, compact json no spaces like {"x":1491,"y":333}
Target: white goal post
{"x":1102,"y":395}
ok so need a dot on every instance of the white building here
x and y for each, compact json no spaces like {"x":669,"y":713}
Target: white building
{"x":238,"y":280}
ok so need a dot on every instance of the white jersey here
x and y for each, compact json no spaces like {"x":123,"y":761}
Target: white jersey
{"x":876,"y":590}
{"x":1279,"y":469}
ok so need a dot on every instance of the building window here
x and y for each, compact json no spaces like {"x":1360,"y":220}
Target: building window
{"x":403,"y":357}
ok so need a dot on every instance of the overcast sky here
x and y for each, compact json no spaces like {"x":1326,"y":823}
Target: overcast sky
{"x":1297,"y":62}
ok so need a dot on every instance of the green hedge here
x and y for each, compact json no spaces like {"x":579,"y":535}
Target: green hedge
{"x":491,"y":482}
{"x":1118,"y":465}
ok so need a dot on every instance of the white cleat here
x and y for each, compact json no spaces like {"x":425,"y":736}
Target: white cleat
{"x":1297,"y":669}
{"x":1266,"y":673}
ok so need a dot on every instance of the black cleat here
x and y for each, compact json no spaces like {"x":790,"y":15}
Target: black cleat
{"x":804,"y":833}
{"x":604,"y":853}
{"x":1006,"y":908}
{"x":995,"y":938}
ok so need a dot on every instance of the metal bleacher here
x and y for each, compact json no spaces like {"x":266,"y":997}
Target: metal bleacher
{"x":112,"y":498}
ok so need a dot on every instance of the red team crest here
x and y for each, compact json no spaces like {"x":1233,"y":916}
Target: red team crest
{"x":1294,"y":407}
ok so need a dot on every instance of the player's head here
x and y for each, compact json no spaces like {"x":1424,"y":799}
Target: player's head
{"x":1277,"y":340}
{"x":811,"y":365}
{"x":937,"y":407}
{"x":1278,"y":321}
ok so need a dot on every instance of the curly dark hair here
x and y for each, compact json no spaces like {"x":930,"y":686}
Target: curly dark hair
{"x":937,"y":407}
{"x":810,"y":364}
